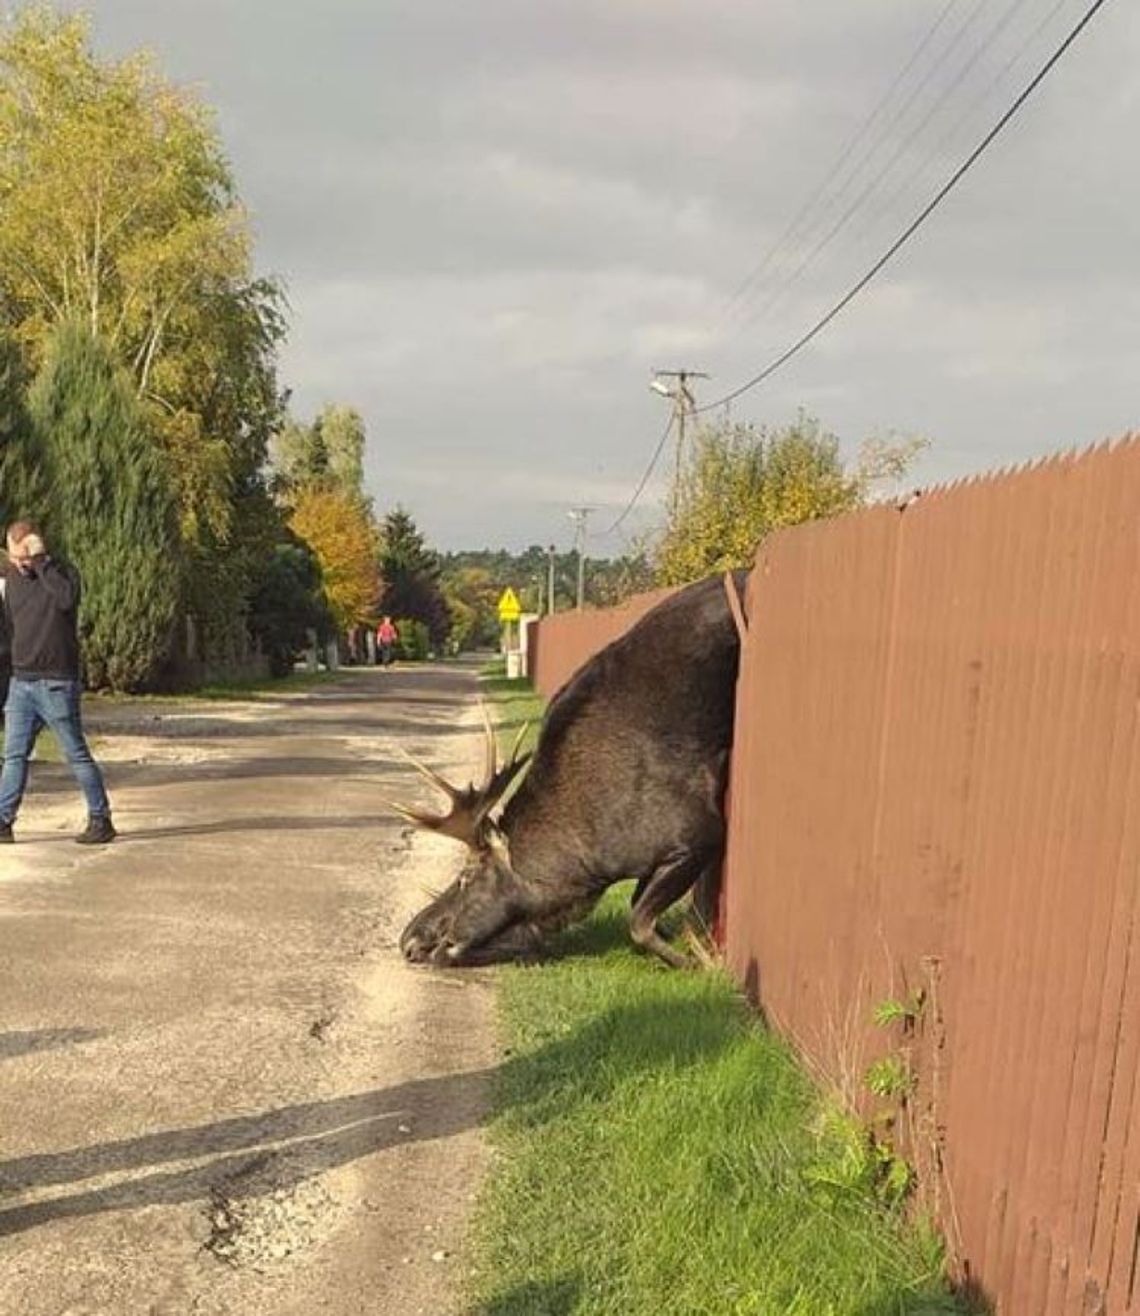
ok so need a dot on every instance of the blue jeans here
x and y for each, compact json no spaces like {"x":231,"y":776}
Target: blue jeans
{"x":31,"y":706}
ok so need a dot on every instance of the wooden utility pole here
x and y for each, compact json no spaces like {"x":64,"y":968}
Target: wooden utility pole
{"x":684,"y":405}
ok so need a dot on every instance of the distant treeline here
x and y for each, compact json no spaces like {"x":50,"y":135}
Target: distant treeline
{"x":474,"y":579}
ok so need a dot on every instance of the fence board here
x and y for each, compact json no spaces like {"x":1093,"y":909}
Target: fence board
{"x":934,"y":786}
{"x":559,"y":644}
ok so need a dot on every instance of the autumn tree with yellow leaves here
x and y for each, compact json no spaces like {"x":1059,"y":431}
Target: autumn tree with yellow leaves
{"x":337,"y":527}
{"x":744,"y":481}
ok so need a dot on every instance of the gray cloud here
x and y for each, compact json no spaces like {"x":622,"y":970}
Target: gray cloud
{"x":494,"y":219}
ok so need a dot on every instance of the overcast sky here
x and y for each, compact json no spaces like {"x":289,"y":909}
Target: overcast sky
{"x":496,"y":217}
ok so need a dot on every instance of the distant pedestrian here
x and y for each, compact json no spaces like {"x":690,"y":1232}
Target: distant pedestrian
{"x":387,"y":637}
{"x":41,"y":607}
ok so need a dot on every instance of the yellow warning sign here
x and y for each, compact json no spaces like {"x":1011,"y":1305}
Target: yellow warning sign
{"x":509,"y":607}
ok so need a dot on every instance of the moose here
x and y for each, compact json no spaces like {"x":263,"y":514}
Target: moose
{"x":626,"y":781}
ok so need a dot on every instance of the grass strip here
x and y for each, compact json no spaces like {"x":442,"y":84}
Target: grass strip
{"x":244,"y":689}
{"x":660,"y":1152}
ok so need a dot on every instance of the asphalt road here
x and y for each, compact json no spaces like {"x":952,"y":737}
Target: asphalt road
{"x":221,"y":1089}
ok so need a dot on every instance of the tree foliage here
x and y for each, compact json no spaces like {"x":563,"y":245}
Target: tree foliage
{"x":22,"y":483}
{"x":474,"y":579}
{"x":118,"y":209}
{"x":289,"y":602}
{"x":743,"y":481}
{"x":342,"y":434}
{"x":339,"y":530}
{"x":110,"y":508}
{"x":415,"y":639}
{"x":411,"y":572}
{"x":328,"y":452}
{"x":472,"y":593}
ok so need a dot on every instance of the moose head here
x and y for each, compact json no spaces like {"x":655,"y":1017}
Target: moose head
{"x":484,"y":914}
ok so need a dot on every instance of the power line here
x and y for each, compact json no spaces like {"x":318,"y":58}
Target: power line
{"x":899,"y":152}
{"x":918,"y":221}
{"x":942,"y":146}
{"x":645,"y":478}
{"x":843,"y":161}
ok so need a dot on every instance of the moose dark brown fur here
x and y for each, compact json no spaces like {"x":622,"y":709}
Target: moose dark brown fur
{"x":626,"y":781}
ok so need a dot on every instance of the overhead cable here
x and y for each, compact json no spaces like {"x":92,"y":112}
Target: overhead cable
{"x":645,"y":478}
{"x":884,"y":172}
{"x":849,"y":160}
{"x":920,"y":219}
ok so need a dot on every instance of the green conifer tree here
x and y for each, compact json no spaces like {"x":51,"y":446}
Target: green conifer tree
{"x":22,"y":482}
{"x":112,"y":509}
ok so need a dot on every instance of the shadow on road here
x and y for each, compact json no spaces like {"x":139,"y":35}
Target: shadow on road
{"x":224,"y":826}
{"x":44,"y":1039}
{"x":218,"y":729}
{"x":269,"y":824}
{"x":251,"y":1155}
{"x":299,"y":1142}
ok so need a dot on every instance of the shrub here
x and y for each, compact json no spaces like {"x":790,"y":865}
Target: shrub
{"x":415,"y":642}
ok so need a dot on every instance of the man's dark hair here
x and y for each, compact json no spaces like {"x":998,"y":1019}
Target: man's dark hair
{"x":18,"y":531}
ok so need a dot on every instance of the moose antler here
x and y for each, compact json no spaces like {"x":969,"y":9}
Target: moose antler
{"x":470,"y":806}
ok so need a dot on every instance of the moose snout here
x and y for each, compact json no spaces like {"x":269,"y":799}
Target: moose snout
{"x":419,"y":947}
{"x":426,"y":943}
{"x":420,"y":950}
{"x":413,"y":949}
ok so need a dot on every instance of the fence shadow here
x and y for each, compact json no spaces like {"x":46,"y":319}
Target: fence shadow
{"x":556,"y":1297}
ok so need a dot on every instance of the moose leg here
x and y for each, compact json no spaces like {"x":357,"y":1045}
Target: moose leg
{"x":667,"y":883}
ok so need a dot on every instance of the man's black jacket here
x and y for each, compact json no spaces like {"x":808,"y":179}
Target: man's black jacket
{"x":41,"y":610}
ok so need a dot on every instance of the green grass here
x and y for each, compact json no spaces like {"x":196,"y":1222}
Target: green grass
{"x":264,"y":687}
{"x":514,"y":704}
{"x":660,"y":1153}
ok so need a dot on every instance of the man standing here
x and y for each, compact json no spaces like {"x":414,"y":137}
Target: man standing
{"x":41,"y":603}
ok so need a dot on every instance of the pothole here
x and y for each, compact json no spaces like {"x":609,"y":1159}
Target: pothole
{"x":256,"y":1222}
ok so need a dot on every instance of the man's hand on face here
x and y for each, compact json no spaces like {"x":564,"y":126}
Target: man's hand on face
{"x":26,"y":553}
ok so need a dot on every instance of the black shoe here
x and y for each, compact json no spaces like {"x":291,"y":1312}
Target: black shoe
{"x":98,"y":831}
{"x":6,"y":837}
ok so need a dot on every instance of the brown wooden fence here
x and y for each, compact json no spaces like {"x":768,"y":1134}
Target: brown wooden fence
{"x":560,"y":644}
{"x":935,"y":789}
